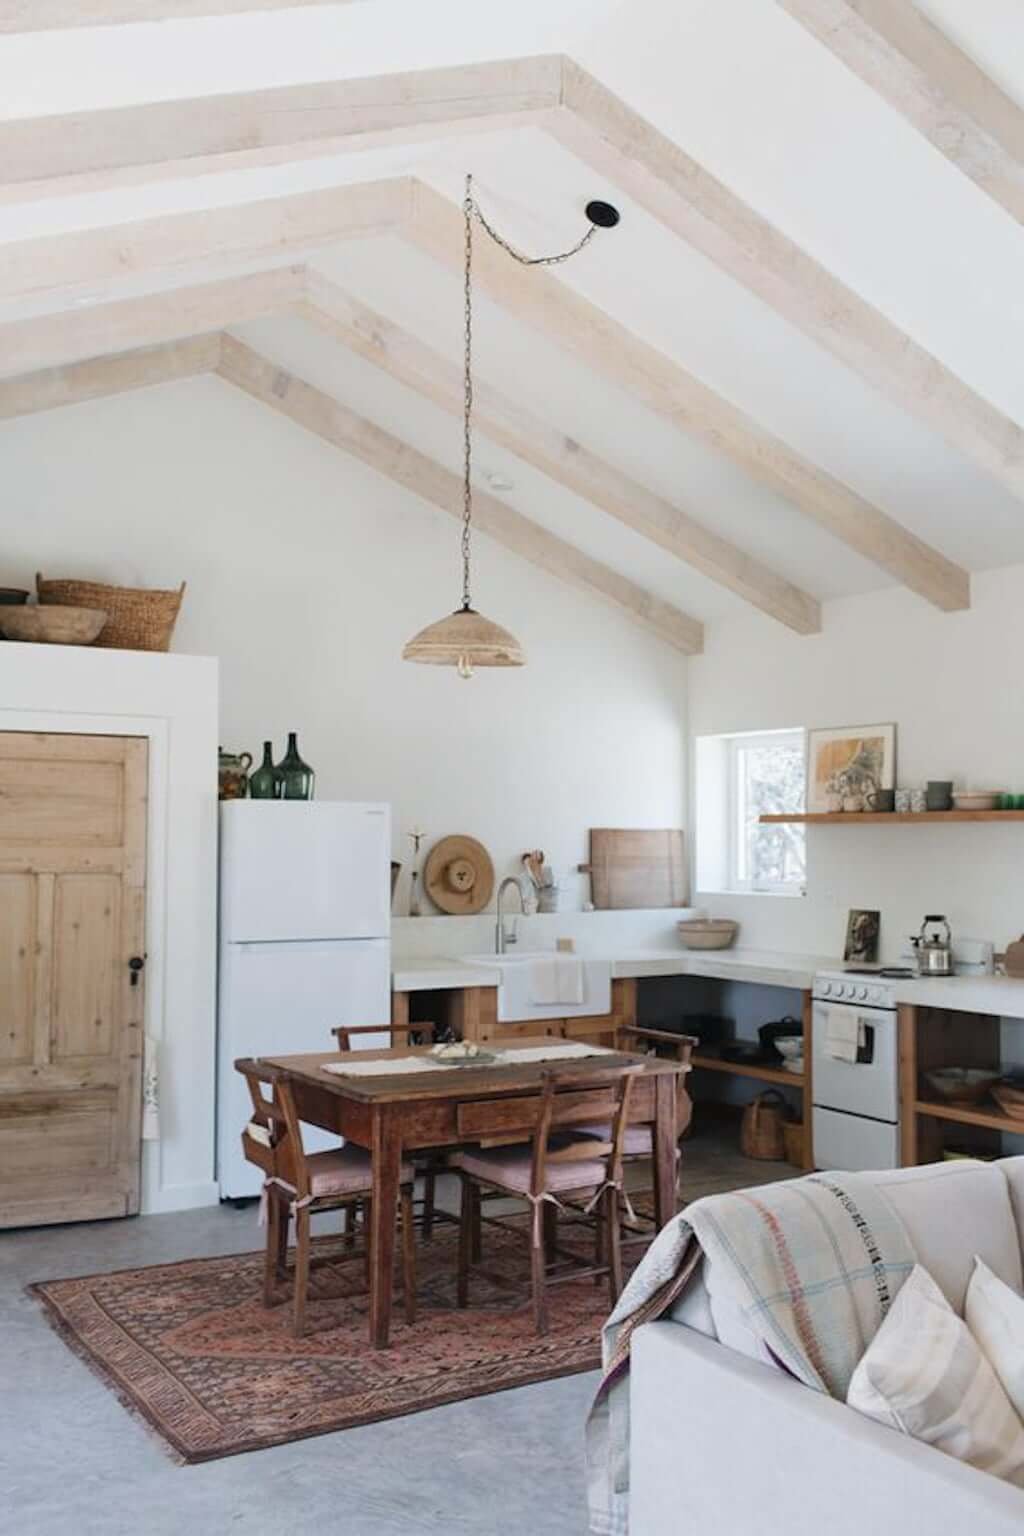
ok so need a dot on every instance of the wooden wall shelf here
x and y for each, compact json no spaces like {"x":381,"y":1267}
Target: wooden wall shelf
{"x":871,"y":818}
{"x":967,"y":1114}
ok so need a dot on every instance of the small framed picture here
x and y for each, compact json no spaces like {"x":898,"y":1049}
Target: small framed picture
{"x":862,"y":931}
{"x":848,"y":764}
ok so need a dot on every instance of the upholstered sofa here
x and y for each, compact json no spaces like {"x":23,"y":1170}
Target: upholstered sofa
{"x":724,"y":1443}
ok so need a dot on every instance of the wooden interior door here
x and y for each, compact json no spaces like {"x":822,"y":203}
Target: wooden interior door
{"x":72,"y":913}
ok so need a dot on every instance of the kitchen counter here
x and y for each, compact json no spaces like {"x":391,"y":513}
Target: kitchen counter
{"x":440,"y":974}
{"x":1001,"y":996}
{"x":765,"y":967}
{"x":762,"y":966}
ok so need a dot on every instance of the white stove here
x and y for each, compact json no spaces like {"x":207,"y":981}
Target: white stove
{"x":855,"y":1064}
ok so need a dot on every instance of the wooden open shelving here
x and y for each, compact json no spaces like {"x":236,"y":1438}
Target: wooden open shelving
{"x":862,"y":818}
{"x":967,"y":1114}
{"x":763,"y":1073}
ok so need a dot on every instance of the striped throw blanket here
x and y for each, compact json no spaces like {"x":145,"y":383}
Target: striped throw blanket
{"x":813,"y":1265}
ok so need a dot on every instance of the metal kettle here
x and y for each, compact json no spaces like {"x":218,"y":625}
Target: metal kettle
{"x":934,"y":950}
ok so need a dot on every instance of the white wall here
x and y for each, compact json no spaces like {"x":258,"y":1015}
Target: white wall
{"x":171,"y":700}
{"x":952,"y":684}
{"x":306,"y":573}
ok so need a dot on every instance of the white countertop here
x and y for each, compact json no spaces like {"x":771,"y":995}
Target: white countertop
{"x":442,"y":974}
{"x":1002,"y":996}
{"x":773,"y":970}
{"x":999,"y":995}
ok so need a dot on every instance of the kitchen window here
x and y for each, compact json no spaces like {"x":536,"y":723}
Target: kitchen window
{"x":739,"y":778}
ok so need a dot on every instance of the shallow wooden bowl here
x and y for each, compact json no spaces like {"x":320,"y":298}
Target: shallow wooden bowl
{"x":708,"y":933}
{"x":52,"y":624}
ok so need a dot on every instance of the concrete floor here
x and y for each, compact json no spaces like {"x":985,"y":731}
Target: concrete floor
{"x":73,"y":1461}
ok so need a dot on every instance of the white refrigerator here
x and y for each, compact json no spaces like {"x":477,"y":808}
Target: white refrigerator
{"x":305,"y":944}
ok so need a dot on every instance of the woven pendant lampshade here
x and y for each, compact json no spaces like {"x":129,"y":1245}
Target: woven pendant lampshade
{"x":465,"y":640}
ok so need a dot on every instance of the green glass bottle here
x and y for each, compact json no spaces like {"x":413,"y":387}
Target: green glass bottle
{"x":263,"y":784}
{"x":296,"y":778}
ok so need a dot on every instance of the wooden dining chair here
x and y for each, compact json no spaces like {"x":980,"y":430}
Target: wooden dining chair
{"x":638,"y":1146}
{"x":427,"y":1162}
{"x":299,"y":1185}
{"x":555,"y":1164}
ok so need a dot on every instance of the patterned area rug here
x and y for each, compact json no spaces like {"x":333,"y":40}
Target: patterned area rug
{"x":190,"y":1348}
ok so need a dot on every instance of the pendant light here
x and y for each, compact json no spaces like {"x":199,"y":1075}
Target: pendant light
{"x":466,"y":639}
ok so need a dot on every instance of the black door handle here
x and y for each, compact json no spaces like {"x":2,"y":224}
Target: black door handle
{"x":135,"y":965}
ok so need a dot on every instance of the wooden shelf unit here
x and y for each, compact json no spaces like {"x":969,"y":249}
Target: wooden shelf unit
{"x":763,"y":1073}
{"x":873,"y":818}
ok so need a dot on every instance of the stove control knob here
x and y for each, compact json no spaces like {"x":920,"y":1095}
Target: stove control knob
{"x":827,"y":988}
{"x":862,"y":993}
{"x":850,"y":990}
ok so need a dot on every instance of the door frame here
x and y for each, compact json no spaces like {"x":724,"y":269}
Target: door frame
{"x":156,"y":732}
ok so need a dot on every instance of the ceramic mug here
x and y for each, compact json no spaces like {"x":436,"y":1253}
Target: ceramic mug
{"x":918,"y":801}
{"x":939,"y":794}
{"x":903,"y":800}
{"x":881,"y":800}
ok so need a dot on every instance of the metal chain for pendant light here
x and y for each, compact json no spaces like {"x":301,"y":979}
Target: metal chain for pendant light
{"x":470,"y":210}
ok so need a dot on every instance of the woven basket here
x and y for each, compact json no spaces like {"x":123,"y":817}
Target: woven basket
{"x":761,"y":1133}
{"x":140,"y":619}
{"x":793,"y":1136}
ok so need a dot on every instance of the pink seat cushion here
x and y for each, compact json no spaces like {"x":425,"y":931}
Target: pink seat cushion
{"x":509,"y":1168}
{"x":637,"y":1141}
{"x":346,"y":1171}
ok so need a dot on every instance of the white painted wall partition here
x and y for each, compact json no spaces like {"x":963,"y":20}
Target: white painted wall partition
{"x":171,"y":700}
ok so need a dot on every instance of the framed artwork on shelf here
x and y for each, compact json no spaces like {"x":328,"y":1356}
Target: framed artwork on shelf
{"x":847,"y":764}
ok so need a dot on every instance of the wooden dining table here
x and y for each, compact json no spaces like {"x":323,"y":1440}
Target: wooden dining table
{"x":401,"y":1112}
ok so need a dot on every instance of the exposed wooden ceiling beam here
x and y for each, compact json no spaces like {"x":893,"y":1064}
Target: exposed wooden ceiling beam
{"x":601,"y":343}
{"x":532,"y":438}
{"x":263,"y":233}
{"x":60,"y":15}
{"x":893,"y":47}
{"x":109,"y":139}
{"x":49,"y":341}
{"x":319,"y":413}
{"x":622,"y":146}
{"x":50,"y":388}
{"x":596,"y":125}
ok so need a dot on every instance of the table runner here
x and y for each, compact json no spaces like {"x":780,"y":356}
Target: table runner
{"x":561,"y":1050}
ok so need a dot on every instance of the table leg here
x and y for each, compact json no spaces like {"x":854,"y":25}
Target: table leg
{"x":387,"y":1162}
{"x":664,"y":1148}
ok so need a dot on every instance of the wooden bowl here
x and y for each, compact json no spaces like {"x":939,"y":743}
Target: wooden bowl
{"x":708,"y":932}
{"x":961,"y":1085}
{"x":53,"y":625}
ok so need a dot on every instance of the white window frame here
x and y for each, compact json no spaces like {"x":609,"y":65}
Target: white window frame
{"x":731,"y":829}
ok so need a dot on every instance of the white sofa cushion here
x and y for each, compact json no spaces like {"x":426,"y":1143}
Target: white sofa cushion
{"x":953,"y":1211}
{"x":994,"y":1313}
{"x":924,"y":1374}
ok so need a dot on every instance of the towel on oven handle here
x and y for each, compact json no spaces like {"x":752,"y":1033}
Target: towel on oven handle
{"x":844,"y":1034}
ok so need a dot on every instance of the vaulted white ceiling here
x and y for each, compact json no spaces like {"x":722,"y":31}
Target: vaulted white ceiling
{"x":744,"y":88}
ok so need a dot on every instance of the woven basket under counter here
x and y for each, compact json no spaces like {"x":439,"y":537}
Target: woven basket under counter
{"x":139,"y":618}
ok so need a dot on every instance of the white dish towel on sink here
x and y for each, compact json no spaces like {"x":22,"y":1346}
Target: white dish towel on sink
{"x":558,"y":980}
{"x":844,"y":1034}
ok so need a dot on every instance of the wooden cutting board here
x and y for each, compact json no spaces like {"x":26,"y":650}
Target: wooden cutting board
{"x":631,"y":869}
